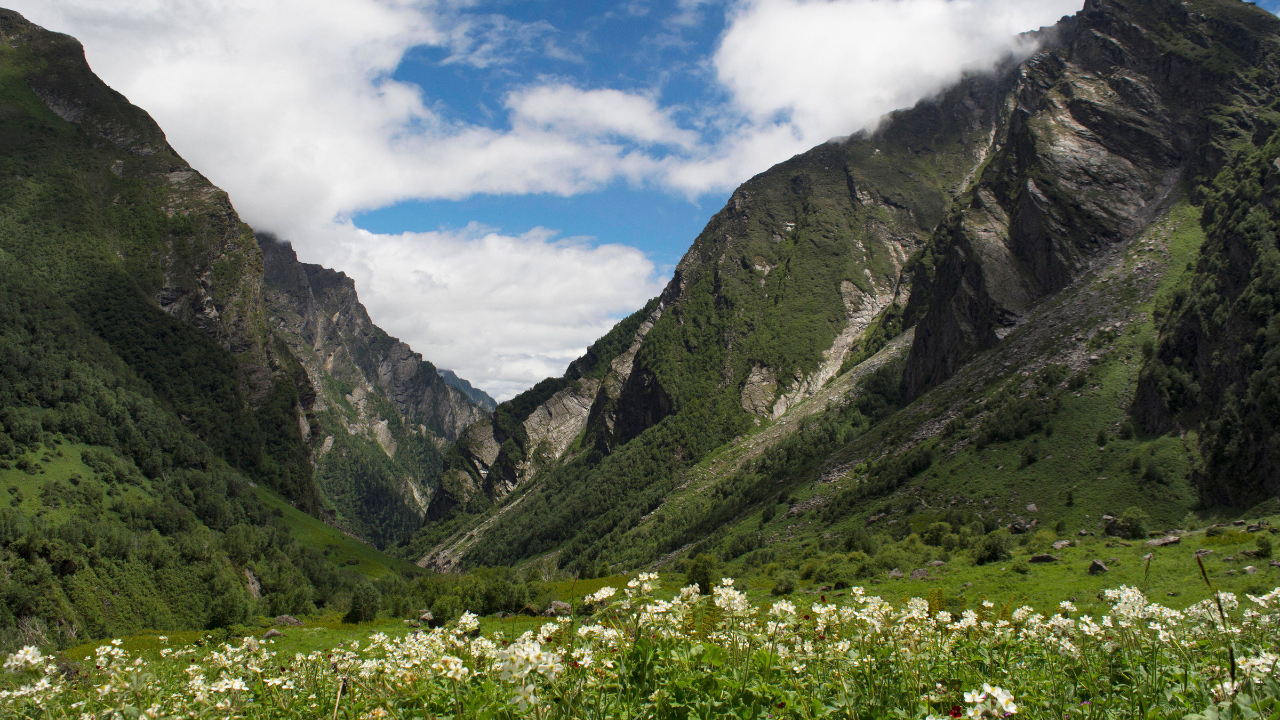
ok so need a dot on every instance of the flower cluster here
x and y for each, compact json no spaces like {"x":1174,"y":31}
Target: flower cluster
{"x":861,"y":655}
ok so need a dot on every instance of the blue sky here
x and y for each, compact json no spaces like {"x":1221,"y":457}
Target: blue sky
{"x":505,"y":180}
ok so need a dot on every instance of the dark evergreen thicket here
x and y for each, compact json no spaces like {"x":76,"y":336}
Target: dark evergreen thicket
{"x":1217,"y":366}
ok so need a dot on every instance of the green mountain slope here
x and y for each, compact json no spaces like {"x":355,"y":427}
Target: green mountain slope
{"x":159,"y":436}
{"x":1033,"y":226}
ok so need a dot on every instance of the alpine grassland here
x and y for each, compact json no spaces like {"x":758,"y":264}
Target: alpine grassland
{"x":655,"y":652}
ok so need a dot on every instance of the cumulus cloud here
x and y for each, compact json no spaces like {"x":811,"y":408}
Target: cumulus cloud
{"x":504,"y":311}
{"x":829,"y":68}
{"x":292,"y":107}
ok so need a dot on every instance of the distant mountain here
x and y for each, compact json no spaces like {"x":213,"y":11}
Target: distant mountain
{"x":997,"y":301}
{"x":477,"y":396}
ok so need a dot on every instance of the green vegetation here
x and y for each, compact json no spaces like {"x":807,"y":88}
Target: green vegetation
{"x":1219,"y":354}
{"x":668,"y":655}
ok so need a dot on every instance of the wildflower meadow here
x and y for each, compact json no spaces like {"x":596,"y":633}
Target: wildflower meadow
{"x":632,"y":654}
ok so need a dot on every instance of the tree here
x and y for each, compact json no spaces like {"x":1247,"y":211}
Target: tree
{"x":364,"y":603}
{"x":702,"y":571}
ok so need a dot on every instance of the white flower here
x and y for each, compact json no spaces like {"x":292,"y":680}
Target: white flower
{"x":28,"y":656}
{"x":468,"y":622}
{"x":451,"y":667}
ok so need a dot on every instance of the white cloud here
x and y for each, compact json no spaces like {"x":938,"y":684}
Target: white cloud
{"x":571,"y":112}
{"x":290,"y":106}
{"x":834,"y":67}
{"x":503,"y":311}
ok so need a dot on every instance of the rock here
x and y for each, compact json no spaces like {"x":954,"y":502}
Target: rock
{"x":558,"y":608}
{"x":426,"y":617}
{"x":1253,"y":528}
{"x":1083,"y":532}
{"x":1239,"y":522}
{"x":1021,"y":527}
{"x":1202,"y":552}
{"x":1275,"y":563}
{"x":966,"y":585}
{"x":1148,"y":557}
{"x":1250,"y":569}
{"x":920,"y":574}
{"x":413,"y":623}
{"x":1166,"y":540}
{"x":1229,"y":558}
{"x":1032,"y":508}
{"x":895,"y":574}
{"x":1061,"y":544}
{"x":1043,"y":558}
{"x":272,"y":633}
{"x":875,"y":518}
{"x":288,"y":620}
{"x":936,"y":563}
{"x":1097,"y":568}
{"x":529,"y":610}
{"x":1113,"y":561}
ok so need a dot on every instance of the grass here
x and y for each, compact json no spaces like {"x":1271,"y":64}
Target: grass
{"x":338,"y":547}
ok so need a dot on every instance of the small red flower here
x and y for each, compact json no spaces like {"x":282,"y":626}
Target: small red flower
{"x":782,"y":704}
{"x":955,"y":711}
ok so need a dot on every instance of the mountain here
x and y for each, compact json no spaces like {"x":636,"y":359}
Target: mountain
{"x":477,"y":396}
{"x":379,"y":415}
{"x":161,"y":421}
{"x":1017,"y":298}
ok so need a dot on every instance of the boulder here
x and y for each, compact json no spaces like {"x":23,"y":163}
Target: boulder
{"x":1097,"y":567}
{"x":1043,"y":558}
{"x":1250,"y":569}
{"x":1061,"y":544}
{"x":920,"y":574}
{"x":1202,"y":552}
{"x":1083,"y":532}
{"x":272,"y":633}
{"x":558,"y":608}
{"x":1166,"y":540}
{"x":935,"y":563}
{"x":895,"y":574}
{"x":288,"y":620}
{"x":426,"y":617}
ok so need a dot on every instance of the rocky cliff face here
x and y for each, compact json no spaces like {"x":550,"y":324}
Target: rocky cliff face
{"x":380,"y":416}
{"x":1099,"y":132}
{"x":318,"y":313}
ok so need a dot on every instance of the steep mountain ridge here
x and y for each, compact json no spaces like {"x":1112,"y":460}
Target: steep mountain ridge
{"x":961,"y":217}
{"x":371,"y":391}
{"x":1101,"y":136}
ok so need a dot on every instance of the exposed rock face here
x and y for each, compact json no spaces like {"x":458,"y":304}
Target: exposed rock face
{"x":395,"y":400}
{"x":1100,"y":128}
{"x":317,"y":312}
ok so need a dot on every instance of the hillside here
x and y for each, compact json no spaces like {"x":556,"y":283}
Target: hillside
{"x":1030,"y":239}
{"x":158,"y":434}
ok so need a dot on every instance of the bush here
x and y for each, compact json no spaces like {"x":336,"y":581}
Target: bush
{"x":784,"y":584}
{"x":1264,"y":546}
{"x":1021,"y":567}
{"x":1132,"y":524}
{"x":364,"y":603}
{"x":702,"y":572}
{"x":936,"y":533}
{"x":993,"y":547}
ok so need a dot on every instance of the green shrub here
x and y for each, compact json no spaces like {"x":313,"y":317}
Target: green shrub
{"x":784,"y":583}
{"x":702,"y":572}
{"x":364,"y":603}
{"x":1264,"y":546}
{"x":993,"y":547}
{"x":1132,"y":524}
